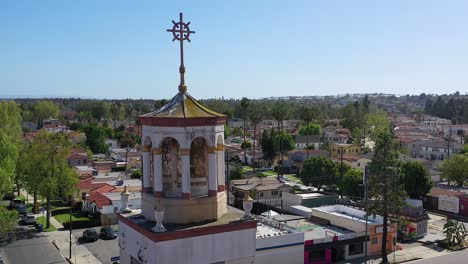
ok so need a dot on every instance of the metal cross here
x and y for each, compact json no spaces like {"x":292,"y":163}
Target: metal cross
{"x":181,"y":32}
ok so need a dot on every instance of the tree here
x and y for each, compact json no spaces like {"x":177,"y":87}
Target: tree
{"x":244,"y":104}
{"x":416,"y":179}
{"x":310,"y":129}
{"x":236,"y":173}
{"x":351,"y":180}
{"x":455,"y":234}
{"x":384,"y":188}
{"x":280,"y":112}
{"x":7,"y":220}
{"x":318,"y":171}
{"x":10,"y":132}
{"x":456,"y":169}
{"x":256,"y":114}
{"x":307,"y":114}
{"x":283,"y":142}
{"x":45,"y":109}
{"x":267,"y":144}
{"x":128,"y":112}
{"x":246,"y":145}
{"x":95,"y":138}
{"x":47,"y":158}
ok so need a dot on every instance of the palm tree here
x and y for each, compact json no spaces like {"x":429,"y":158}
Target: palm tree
{"x":244,"y":104}
{"x":256,"y":114}
{"x":128,"y":112}
{"x":280,"y":112}
{"x":115,"y":109}
{"x":307,"y":114}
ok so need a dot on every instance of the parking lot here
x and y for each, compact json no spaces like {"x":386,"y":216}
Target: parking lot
{"x":103,"y":250}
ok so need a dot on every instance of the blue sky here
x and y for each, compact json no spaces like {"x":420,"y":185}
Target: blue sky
{"x":120,"y":49}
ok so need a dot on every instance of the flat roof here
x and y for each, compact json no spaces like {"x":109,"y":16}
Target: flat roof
{"x":311,"y":195}
{"x":233,"y":215}
{"x":314,"y":231}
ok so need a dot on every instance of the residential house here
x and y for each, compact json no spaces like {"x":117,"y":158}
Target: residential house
{"x":76,"y":137}
{"x":75,"y":159}
{"x":296,"y":158}
{"x":348,"y":149}
{"x":301,"y":141}
{"x":439,"y":150}
{"x":267,"y":191}
{"x":355,"y":162}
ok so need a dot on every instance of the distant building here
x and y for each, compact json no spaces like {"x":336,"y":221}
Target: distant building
{"x":439,"y":150}
{"x":348,"y":149}
{"x":268,"y":191}
{"x":301,"y":141}
{"x":309,"y":200}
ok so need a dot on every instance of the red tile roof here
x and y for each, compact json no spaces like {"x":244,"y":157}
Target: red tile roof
{"x":99,"y":199}
{"x":435,"y":192}
{"x":75,"y":155}
{"x":87,"y":184}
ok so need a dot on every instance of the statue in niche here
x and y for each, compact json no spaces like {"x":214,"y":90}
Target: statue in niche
{"x":198,"y":162}
{"x":172,"y":177}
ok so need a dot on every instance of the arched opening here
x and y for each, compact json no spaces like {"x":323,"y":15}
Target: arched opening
{"x":220,"y":159}
{"x":199,"y":167}
{"x":171,"y":168}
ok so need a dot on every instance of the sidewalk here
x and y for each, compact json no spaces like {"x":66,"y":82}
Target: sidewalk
{"x":406,"y":255}
{"x":80,"y":254}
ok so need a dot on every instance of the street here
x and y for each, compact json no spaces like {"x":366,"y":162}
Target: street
{"x":452,"y":258}
{"x":28,"y":246}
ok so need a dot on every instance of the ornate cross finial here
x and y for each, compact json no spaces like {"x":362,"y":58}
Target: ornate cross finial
{"x":181,"y":32}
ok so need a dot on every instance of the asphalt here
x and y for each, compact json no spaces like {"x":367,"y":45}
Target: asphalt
{"x":103,"y":250}
{"x":452,"y":258}
{"x":29,"y":246}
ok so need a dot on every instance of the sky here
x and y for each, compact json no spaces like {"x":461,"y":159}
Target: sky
{"x":120,"y":49}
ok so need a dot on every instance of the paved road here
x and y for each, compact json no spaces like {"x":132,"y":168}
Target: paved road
{"x":452,"y":258}
{"x":103,"y":250}
{"x":30,"y":247}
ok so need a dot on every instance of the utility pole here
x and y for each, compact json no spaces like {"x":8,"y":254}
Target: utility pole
{"x":448,"y":149}
{"x":341,"y":173}
{"x":70,"y":249}
{"x":365,"y":179}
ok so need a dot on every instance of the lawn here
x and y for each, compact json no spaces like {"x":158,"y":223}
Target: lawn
{"x":42,"y":220}
{"x":65,"y":218}
{"x":292,"y":177}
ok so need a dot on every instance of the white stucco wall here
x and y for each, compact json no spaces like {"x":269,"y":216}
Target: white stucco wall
{"x":288,"y":248}
{"x":227,"y":246}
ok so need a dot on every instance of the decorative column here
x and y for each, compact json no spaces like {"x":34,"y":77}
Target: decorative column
{"x":124,"y":198}
{"x":221,"y":168}
{"x":212,"y":172}
{"x":146,"y":188}
{"x":185,"y":157}
{"x":157,"y":171}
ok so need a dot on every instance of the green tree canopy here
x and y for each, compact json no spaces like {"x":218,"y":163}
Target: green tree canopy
{"x":236,"y":173}
{"x":267,"y":144}
{"x":45,"y":109}
{"x":48,"y":171}
{"x":310,"y":129}
{"x":283,"y":142}
{"x":10,"y":133}
{"x":318,"y":171}
{"x":456,"y":169}
{"x":351,"y":183}
{"x":416,"y":179}
{"x":95,"y":138}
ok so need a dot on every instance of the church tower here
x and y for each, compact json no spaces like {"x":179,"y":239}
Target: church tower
{"x":184,"y":216}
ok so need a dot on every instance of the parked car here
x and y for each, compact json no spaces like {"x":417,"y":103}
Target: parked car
{"x":22,"y":209}
{"x":29,"y":219}
{"x":15,"y":203}
{"x":1,"y":260}
{"x":90,"y":235}
{"x":107,"y":233}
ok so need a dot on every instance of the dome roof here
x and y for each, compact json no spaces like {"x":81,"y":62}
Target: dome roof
{"x":183,"y":110}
